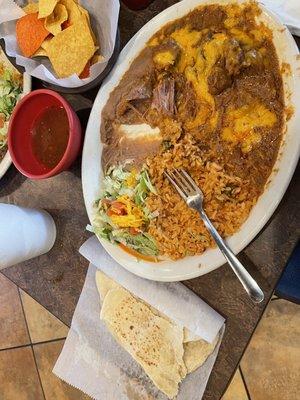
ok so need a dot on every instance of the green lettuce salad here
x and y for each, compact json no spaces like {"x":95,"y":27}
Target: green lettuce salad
{"x":10,"y":90}
{"x":122,"y":216}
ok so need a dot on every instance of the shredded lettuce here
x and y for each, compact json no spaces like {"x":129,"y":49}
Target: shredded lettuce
{"x":147,"y":181}
{"x":126,"y":191}
{"x":10,"y":91}
{"x":114,"y":182}
{"x":137,"y":186}
{"x":143,"y":188}
{"x":143,"y":243}
{"x":150,"y":215}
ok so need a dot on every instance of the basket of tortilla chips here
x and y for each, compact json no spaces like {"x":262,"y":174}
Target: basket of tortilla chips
{"x":67,"y":43}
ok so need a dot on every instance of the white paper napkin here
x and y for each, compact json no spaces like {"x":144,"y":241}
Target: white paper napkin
{"x":288,"y":12}
{"x":9,"y":11}
{"x":104,"y":16}
{"x":172,"y":299}
{"x":92,"y":361}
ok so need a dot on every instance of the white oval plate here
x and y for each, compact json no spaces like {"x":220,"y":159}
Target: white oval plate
{"x":191,"y":267}
{"x":6,"y":160}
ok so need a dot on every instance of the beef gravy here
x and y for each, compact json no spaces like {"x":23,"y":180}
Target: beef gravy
{"x":213,"y":74}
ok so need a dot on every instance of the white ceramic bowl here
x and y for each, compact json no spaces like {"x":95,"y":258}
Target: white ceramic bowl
{"x":191,"y":267}
{"x":6,"y":161}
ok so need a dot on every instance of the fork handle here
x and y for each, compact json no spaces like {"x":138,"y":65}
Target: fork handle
{"x":250,"y":285}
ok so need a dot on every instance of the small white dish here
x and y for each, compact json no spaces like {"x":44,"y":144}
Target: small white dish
{"x":6,"y":160}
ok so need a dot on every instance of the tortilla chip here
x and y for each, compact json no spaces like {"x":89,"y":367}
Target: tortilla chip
{"x":84,"y":11}
{"x":46,"y":7}
{"x":66,"y":25}
{"x":86,"y":71}
{"x":54,"y":21}
{"x":196,"y":353}
{"x":73,"y":10}
{"x":96,"y":58}
{"x":70,"y":50}
{"x":155,"y":343}
{"x":31,"y":8}
{"x":40,"y":53}
{"x":31,"y":33}
{"x":87,"y":16}
{"x":45,"y":43}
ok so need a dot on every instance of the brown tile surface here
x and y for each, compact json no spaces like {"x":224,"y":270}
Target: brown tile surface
{"x":13,"y":331}
{"x":271,"y":363}
{"x":18,"y":375}
{"x":42,"y":325}
{"x":46,"y":355}
{"x":236,"y":389}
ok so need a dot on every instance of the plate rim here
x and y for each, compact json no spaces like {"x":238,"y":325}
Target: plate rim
{"x":6,"y":161}
{"x":144,"y":269}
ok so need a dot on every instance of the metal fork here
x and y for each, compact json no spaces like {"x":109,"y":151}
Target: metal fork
{"x":193,"y":196}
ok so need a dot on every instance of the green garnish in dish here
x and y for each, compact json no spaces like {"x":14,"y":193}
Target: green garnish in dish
{"x":122,"y":216}
{"x":10,"y":90}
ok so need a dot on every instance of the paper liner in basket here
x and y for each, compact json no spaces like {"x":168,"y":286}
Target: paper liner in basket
{"x":104,"y":18}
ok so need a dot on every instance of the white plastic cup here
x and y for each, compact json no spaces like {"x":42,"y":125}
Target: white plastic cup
{"x":25,"y":233}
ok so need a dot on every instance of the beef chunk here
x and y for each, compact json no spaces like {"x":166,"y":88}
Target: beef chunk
{"x":137,"y":92}
{"x":219,"y":80}
{"x":164,"y":96}
{"x":233,"y":57}
{"x":185,"y":99}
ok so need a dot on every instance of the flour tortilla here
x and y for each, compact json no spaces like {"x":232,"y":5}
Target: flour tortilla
{"x":189,"y":336}
{"x":150,"y":337}
{"x":105,"y":284}
{"x":155,"y":343}
{"x":196,"y":353}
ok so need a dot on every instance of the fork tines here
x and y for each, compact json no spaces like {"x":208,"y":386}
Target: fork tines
{"x":183,"y":183}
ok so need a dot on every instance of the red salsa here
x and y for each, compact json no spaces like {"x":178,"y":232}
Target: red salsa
{"x":50,"y":135}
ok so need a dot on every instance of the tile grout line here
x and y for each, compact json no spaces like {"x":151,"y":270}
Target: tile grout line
{"x":38,"y":372}
{"x":21,"y":346}
{"x":24,"y":315}
{"x":244,"y":382}
{"x":28,"y":294}
{"x":33,"y":354}
{"x":33,"y":344}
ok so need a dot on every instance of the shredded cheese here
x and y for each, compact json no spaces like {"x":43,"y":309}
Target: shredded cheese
{"x":134,"y":215}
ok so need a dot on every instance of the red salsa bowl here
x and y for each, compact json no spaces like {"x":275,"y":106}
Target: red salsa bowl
{"x":44,"y":135}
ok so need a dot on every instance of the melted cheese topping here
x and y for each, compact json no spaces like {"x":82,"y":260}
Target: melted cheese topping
{"x":199,"y":55}
{"x":197,"y":65}
{"x":255,"y":36}
{"x":242,"y":123}
{"x":164,"y":58}
{"x":187,"y":40}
